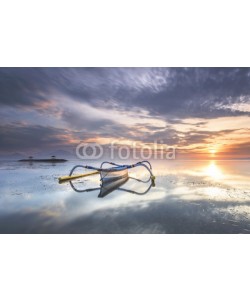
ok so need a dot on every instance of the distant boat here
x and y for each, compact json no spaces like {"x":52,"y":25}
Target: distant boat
{"x":53,"y":159}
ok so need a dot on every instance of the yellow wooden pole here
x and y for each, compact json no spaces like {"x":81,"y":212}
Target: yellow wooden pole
{"x":69,"y":178}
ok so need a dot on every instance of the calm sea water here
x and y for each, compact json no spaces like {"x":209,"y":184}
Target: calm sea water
{"x":189,"y":197}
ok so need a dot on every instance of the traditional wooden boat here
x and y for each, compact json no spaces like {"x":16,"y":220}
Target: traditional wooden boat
{"x":112,"y":178}
{"x":108,"y":174}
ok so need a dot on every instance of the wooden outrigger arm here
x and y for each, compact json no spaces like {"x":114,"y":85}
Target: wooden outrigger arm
{"x":72,"y":177}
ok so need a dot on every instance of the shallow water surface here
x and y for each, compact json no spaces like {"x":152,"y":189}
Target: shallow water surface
{"x":189,"y":197}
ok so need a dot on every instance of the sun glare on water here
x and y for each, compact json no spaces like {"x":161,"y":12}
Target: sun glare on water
{"x":213,"y":171}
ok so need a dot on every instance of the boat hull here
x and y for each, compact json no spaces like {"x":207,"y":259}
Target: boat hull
{"x":113,"y":175}
{"x":108,"y":187}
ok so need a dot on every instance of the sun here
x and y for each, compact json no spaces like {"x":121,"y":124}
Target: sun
{"x":212,"y":151}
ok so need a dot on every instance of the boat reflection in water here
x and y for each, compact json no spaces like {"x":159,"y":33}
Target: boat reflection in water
{"x":108,"y":187}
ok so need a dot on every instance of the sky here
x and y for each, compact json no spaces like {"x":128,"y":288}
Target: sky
{"x":202,"y":112}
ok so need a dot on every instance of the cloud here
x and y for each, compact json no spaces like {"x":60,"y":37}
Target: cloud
{"x":239,"y":149}
{"x":175,"y":105}
{"x":175,"y":92}
{"x":20,"y":137}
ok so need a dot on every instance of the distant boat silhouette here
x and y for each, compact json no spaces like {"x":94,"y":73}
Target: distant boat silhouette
{"x":53,"y":159}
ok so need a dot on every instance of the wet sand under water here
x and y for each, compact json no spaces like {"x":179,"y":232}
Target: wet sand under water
{"x":189,"y":197}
